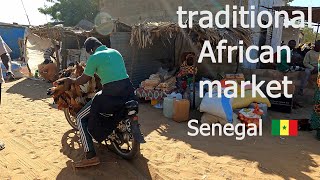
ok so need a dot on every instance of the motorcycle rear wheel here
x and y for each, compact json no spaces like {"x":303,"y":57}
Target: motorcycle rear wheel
{"x":71,"y":120}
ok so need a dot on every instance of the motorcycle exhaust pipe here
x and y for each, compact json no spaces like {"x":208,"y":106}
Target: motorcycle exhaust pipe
{"x":136,"y":132}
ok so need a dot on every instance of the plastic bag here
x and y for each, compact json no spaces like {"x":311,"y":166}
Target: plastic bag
{"x":220,"y":107}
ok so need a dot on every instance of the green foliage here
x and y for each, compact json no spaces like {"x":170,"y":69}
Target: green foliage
{"x":309,"y":35}
{"x":71,"y":11}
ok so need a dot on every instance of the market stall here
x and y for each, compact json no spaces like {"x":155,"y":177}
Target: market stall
{"x":156,"y":89}
{"x":187,"y":44}
{"x":184,"y":42}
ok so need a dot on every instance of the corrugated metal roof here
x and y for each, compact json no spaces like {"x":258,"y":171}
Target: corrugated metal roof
{"x":289,"y":9}
{"x":12,"y":25}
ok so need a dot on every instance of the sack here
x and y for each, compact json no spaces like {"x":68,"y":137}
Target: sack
{"x":211,"y":119}
{"x":239,"y":102}
{"x":220,"y":107}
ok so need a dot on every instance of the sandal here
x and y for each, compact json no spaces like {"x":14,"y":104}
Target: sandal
{"x":2,"y":146}
{"x":87,"y":162}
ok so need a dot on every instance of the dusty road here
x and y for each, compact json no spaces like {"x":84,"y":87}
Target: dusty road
{"x":40,"y":145}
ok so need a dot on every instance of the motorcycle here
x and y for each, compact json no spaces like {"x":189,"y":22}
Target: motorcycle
{"x":126,"y":137}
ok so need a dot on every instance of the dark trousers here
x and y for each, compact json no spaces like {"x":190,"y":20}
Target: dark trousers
{"x":110,"y":100}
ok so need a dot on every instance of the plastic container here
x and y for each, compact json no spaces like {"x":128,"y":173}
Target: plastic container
{"x":181,"y":109}
{"x":168,"y":107}
{"x":174,"y":95}
{"x":168,"y":104}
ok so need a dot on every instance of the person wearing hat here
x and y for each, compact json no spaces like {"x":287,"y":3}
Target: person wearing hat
{"x":109,"y":65}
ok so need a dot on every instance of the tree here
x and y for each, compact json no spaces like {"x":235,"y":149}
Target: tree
{"x":309,"y":35}
{"x":71,"y":12}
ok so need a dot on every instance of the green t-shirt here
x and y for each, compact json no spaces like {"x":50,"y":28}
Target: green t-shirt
{"x":108,"y":64}
{"x":283,"y":66}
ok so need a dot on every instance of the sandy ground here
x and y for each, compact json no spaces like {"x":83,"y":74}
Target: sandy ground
{"x":40,"y":145}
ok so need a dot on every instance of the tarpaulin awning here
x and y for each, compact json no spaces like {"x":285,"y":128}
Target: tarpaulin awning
{"x":289,"y":9}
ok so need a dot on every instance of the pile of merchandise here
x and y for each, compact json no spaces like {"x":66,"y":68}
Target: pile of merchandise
{"x":157,"y":82}
{"x":157,"y":86}
{"x":168,"y":85}
{"x":249,"y":115}
{"x":223,"y":110}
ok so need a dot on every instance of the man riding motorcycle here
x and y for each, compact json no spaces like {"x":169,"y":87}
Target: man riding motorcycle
{"x":109,"y":65}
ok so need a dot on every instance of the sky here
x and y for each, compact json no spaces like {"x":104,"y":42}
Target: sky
{"x":14,"y":12}
{"x":303,"y":3}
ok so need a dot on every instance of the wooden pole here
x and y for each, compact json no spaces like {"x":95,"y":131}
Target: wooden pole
{"x":194,"y":87}
{"x":58,"y":58}
{"x":237,"y":59}
{"x":25,"y":12}
{"x":25,"y":56}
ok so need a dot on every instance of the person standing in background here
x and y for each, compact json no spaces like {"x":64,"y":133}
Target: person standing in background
{"x":1,"y":80}
{"x":6,"y":60}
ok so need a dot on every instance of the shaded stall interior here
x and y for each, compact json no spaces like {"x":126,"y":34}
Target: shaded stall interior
{"x":167,"y":45}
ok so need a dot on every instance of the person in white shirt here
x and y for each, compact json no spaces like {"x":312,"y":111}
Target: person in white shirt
{"x":6,"y":59}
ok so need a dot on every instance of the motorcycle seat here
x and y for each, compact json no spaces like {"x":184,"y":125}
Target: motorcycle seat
{"x":132,"y":107}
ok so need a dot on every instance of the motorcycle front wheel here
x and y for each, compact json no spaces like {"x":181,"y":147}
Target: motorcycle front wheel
{"x":127,"y":150}
{"x":71,"y":120}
